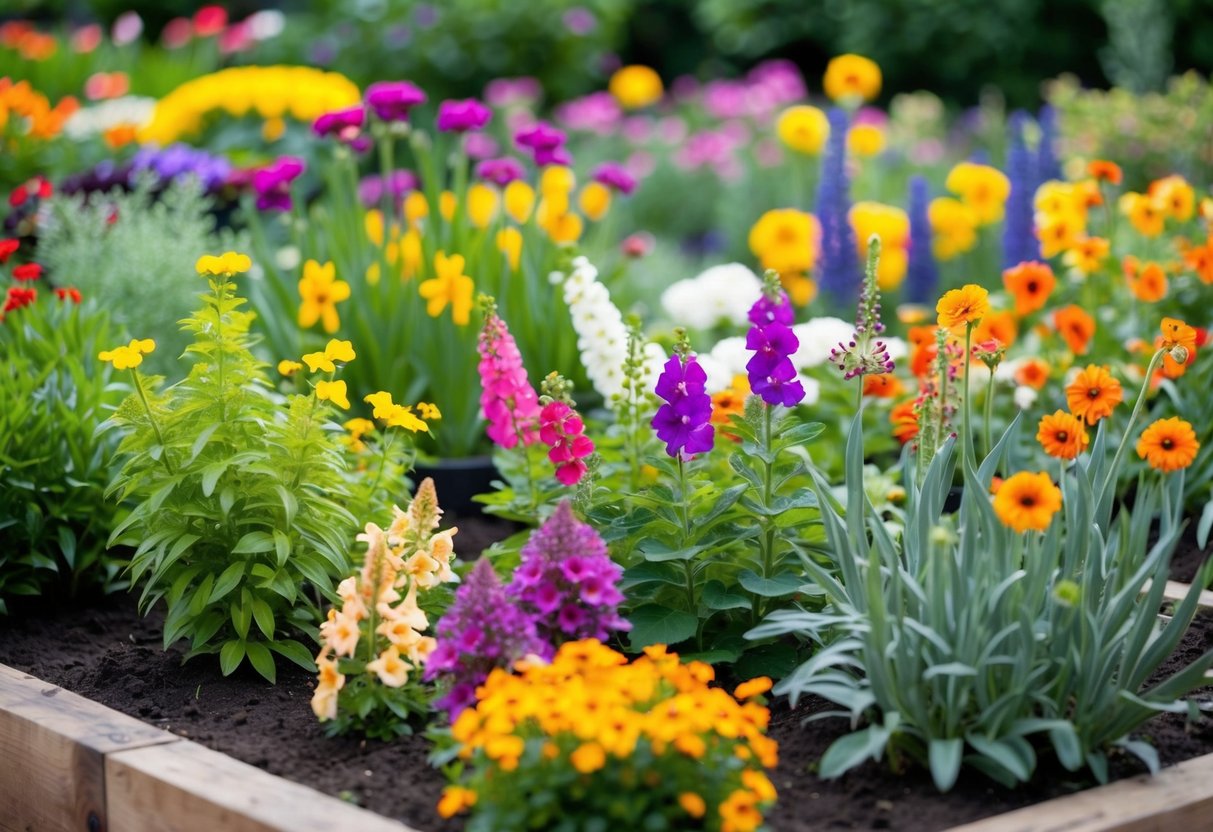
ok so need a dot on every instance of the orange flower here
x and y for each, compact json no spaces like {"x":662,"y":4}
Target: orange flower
{"x":1033,"y":372}
{"x":1031,"y":284}
{"x":1200,"y":260}
{"x":1076,"y":326}
{"x":904,"y":418}
{"x":1059,"y":232}
{"x":1093,"y":394}
{"x":1168,"y":444}
{"x":1175,"y":333}
{"x":882,"y":386}
{"x":1062,"y":436}
{"x":1087,"y":255}
{"x":963,"y":307}
{"x":729,"y":402}
{"x":1105,"y":171}
{"x":922,"y":349}
{"x":1027,"y":501}
{"x":1149,"y":283}
{"x":997,"y":326}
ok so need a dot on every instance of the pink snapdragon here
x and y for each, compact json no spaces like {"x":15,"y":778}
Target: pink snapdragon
{"x":562,"y":429}
{"x":509,"y":402}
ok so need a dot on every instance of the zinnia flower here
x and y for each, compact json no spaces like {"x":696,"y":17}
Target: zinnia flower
{"x":1168,"y":444}
{"x":1062,"y":435}
{"x":1104,"y":171}
{"x":804,"y":129}
{"x":1027,"y":501}
{"x":27,"y":271}
{"x":1031,"y":284}
{"x":1093,"y":394}
{"x":963,"y":307}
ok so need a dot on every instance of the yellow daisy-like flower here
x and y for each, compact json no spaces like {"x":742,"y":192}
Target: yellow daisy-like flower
{"x":450,"y":287}
{"x":865,"y":140}
{"x":983,"y":188}
{"x":964,"y":306}
{"x":852,"y":77}
{"x":334,"y":351}
{"x":803,"y":128}
{"x":229,"y":262}
{"x":636,"y":86}
{"x":1168,"y":445}
{"x":320,"y":292}
{"x":333,"y":391}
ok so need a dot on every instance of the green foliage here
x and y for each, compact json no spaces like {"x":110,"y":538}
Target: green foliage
{"x":238,"y":498}
{"x":127,"y":252}
{"x":54,"y":468}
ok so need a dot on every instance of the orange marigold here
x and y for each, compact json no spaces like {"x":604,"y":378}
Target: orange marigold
{"x":1093,"y":394}
{"x":1168,"y":444}
{"x":904,"y":418}
{"x":1031,"y":284}
{"x":1062,"y":436}
{"x":1076,"y":326}
{"x":963,"y":307}
{"x":1027,"y":501}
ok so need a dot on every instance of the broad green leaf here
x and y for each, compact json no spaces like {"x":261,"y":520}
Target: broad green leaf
{"x":230,"y":656}
{"x":776,"y":586}
{"x":944,"y":757}
{"x":282,"y":546}
{"x":717,"y":597}
{"x":295,"y":652}
{"x":853,"y":749}
{"x":254,"y":542}
{"x":655,"y":624}
{"x":262,"y":660}
{"x":264,"y":616}
{"x":228,"y":580}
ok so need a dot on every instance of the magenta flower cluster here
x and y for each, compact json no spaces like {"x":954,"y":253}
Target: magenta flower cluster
{"x":683,"y":422}
{"x":567,"y":582}
{"x":461,"y":116}
{"x":272,"y":183}
{"x":345,"y":126}
{"x":482,"y":630}
{"x":500,"y":172}
{"x":392,"y":100}
{"x":772,"y":374}
{"x":545,"y":143}
{"x":509,"y":402}
{"x":563,"y":431}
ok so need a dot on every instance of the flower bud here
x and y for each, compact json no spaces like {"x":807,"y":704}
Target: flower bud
{"x":1180,"y":354}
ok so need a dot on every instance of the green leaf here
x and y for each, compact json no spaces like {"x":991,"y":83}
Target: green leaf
{"x":944,"y":757}
{"x":282,"y":546}
{"x":655,"y":624}
{"x":849,"y":751}
{"x":776,"y":586}
{"x":67,"y":545}
{"x":717,"y":597}
{"x":254,"y":542}
{"x":262,"y":660}
{"x":775,"y":660}
{"x":211,"y":475}
{"x":655,"y":551}
{"x":264,"y":616}
{"x":295,"y":652}
{"x":230,"y":656}
{"x":242,"y":613}
{"x":228,"y":580}
{"x":1206,"y":523}
{"x":644,"y":573}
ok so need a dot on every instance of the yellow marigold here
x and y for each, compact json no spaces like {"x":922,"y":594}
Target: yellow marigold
{"x":786,"y":240}
{"x":588,"y":758}
{"x":228,"y":263}
{"x":635,"y":86}
{"x":865,"y":140}
{"x":852,"y":77}
{"x":1174,"y":196}
{"x":739,"y":813}
{"x":1027,"y":501}
{"x":320,"y":292}
{"x":1087,"y":254}
{"x":1168,"y":445}
{"x":803,"y":128}
{"x":963,"y":307}
{"x":1145,"y":215}
{"x":754,"y":687}
{"x":983,"y":188}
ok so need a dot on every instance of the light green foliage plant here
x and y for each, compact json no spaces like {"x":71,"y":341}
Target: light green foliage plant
{"x":238,"y":497}
{"x":54,"y":519}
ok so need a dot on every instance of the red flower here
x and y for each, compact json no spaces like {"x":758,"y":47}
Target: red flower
{"x":19,"y":297}
{"x":27,"y":271}
{"x":209,"y":20}
{"x":70,"y":293}
{"x":7,"y":247}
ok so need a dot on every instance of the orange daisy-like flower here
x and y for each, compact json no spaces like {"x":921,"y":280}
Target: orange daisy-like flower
{"x":1076,"y":326}
{"x":1197,"y":258}
{"x":729,"y":402}
{"x":1027,"y":501}
{"x":922,"y":349}
{"x":1087,"y":254}
{"x":1148,"y":282}
{"x":1062,"y":436}
{"x":1105,"y":171}
{"x":964,"y":306}
{"x":904,"y":418}
{"x":1031,"y":284}
{"x":1033,"y":372}
{"x":996,"y":326}
{"x":1168,"y":444}
{"x":882,"y":386}
{"x":1093,"y":394}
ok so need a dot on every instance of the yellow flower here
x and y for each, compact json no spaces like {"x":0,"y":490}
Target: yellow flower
{"x":953,"y":227}
{"x":509,"y":242}
{"x":358,"y":428}
{"x":333,"y":391}
{"x":342,"y":351}
{"x":447,"y":203}
{"x":852,"y":77}
{"x":392,"y":670}
{"x":803,"y":129}
{"x":983,"y":188}
{"x":519,"y":201}
{"x":692,"y":804}
{"x":450,"y":286}
{"x":786,"y":240}
{"x":320,"y":292}
{"x":964,"y":306}
{"x":482,"y":204}
{"x":272,"y":129}
{"x":128,"y":356}
{"x":1174,"y":196}
{"x":865,"y":140}
{"x":410,"y":253}
{"x":429,"y":411}
{"x":635,"y":86}
{"x":594,"y":200}
{"x":229,"y":262}
{"x":557,"y":179}
{"x":415,"y":208}
{"x":401,"y":416}
{"x":455,"y":799}
{"x":892,"y":225}
{"x":563,"y":228}
{"x":588,"y":758}
{"x":1145,"y":215}
{"x":381,"y":402}
{"x":288,"y":368}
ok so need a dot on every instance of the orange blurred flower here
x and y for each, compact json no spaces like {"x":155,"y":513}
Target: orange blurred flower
{"x":1027,"y":501}
{"x":1076,"y":326}
{"x":882,"y":386}
{"x":1033,"y":372}
{"x":1105,"y":171}
{"x":997,"y":326}
{"x":1031,"y":284}
{"x":1148,"y":282}
{"x":904,"y":418}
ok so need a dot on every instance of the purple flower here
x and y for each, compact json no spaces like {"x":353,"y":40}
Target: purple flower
{"x":572,"y":618}
{"x":772,"y":345}
{"x":615,"y":175}
{"x":344,"y":125}
{"x":510,"y":92}
{"x":780,"y":386}
{"x":597,"y":112}
{"x":922,"y":273}
{"x":772,"y":374}
{"x":545,"y":597}
{"x":399,"y":183}
{"x":839,"y":272}
{"x":500,"y":172}
{"x":1019,"y":243}
{"x":684,"y":421}
{"x":179,"y":160}
{"x":766,"y":311}
{"x":462,"y":116}
{"x":272,"y":183}
{"x":575,"y":568}
{"x":545,"y":142}
{"x":580,"y":20}
{"x":392,"y":100}
{"x":480,"y":145}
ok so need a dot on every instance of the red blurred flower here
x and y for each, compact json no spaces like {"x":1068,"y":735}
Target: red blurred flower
{"x":70,"y":293}
{"x":209,"y":20}
{"x":27,"y":271}
{"x":7,"y":247}
{"x":86,"y":39}
{"x":177,"y":32}
{"x":19,"y":297}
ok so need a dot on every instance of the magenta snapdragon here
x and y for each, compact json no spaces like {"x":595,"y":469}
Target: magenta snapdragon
{"x":562,"y":429}
{"x":509,"y":402}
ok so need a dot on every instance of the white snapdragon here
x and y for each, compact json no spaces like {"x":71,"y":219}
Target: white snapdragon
{"x":721,"y":294}
{"x":602,"y":336}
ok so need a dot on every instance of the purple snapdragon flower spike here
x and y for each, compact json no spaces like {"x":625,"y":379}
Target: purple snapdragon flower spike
{"x":840,"y":275}
{"x":615,"y":176}
{"x":781,"y":386}
{"x":772,"y":345}
{"x":684,"y":421}
{"x":460,"y":116}
{"x":766,"y":311}
{"x":392,"y":100}
{"x":272,"y":183}
{"x":500,"y":172}
{"x":771,"y":372}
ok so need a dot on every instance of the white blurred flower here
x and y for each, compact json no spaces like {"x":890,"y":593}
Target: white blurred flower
{"x":719,"y":375}
{"x":812,"y":390}
{"x":93,"y":121}
{"x":817,"y":337}
{"x":266,"y":24}
{"x":1025,"y":397}
{"x":896,"y":348}
{"x":1005,"y":372}
{"x":732,"y":354}
{"x":721,"y":294}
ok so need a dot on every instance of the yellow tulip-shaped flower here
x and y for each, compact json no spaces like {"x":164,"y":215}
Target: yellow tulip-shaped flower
{"x":519,"y":200}
{"x":415,"y":208}
{"x":594,"y":200}
{"x":320,"y":292}
{"x":450,"y":286}
{"x":635,"y":86}
{"x":482,"y":204}
{"x":333,"y":391}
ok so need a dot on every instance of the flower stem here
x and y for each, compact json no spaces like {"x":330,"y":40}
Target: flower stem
{"x":989,"y":415}
{"x":692,"y":607}
{"x":151,"y":417}
{"x":1141,"y":400}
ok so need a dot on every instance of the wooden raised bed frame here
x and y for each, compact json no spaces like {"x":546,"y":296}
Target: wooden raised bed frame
{"x":68,"y":764}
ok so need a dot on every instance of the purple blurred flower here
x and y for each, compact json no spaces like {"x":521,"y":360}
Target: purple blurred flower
{"x":460,"y":116}
{"x":838,"y":268}
{"x":545,"y":142}
{"x":178,"y":160}
{"x":781,"y":78}
{"x":683,"y":422}
{"x":922,"y":273}
{"x":272,"y":183}
{"x":510,"y":92}
{"x":597,"y":112}
{"x":616,"y":176}
{"x":726,"y":99}
{"x":392,"y":100}
{"x":344,"y":125}
{"x":771,"y":311}
{"x":400,"y":182}
{"x":480,"y":145}
{"x":1019,"y":243}
{"x":580,"y":20}
{"x":500,"y":172}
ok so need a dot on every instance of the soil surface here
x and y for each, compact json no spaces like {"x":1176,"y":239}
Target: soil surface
{"x":1188,"y":557}
{"x":109,"y":654}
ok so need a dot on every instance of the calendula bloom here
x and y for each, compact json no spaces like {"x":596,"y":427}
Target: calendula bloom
{"x":1174,"y":196}
{"x":1147,"y":281}
{"x":455,"y":799}
{"x":1058,"y":233}
{"x":1144,"y":214}
{"x":288,"y":368}
{"x":1027,"y":501}
{"x":1033,"y":372}
{"x":1062,"y":435}
{"x":904,"y":419}
{"x":635,"y":86}
{"x":228,"y":263}
{"x":865,"y":140}
{"x":963,"y":307}
{"x":786,"y":240}
{"x":1197,"y":258}
{"x":320,"y":292}
{"x":1030,"y":284}
{"x":982,"y":188}
{"x":1104,"y":171}
{"x":1076,"y":326}
{"x":953,"y":226}
{"x":1093,"y":394}
{"x":509,"y":243}
{"x":1087,"y":255}
{"x":730,"y":402}
{"x":333,"y":391}
{"x":852,"y":78}
{"x":450,"y":287}
{"x":803,"y":128}
{"x":1168,"y":445}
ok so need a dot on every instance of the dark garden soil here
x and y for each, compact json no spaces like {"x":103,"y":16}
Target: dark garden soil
{"x":1188,"y":557}
{"x":109,"y":654}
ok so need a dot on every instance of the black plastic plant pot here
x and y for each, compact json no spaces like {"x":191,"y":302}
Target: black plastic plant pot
{"x":458,"y":480}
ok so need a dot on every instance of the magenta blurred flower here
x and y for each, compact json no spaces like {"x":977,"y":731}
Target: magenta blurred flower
{"x":726,"y":99}
{"x":511,"y":92}
{"x":500,"y":172}
{"x":392,"y":100}
{"x":545,"y":142}
{"x":781,"y":78}
{"x":597,"y":112}
{"x":637,"y":129}
{"x":455,"y":116}
{"x":177,"y":33}
{"x":344,"y":125}
{"x":272,"y":183}
{"x":580,"y":20}
{"x":127,"y":28}
{"x":400,"y":182}
{"x":616,"y":176}
{"x":480,"y":145}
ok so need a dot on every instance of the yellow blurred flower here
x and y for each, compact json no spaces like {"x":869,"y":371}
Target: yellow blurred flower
{"x":319,"y":293}
{"x":450,"y":287}
{"x":786,"y":240}
{"x":415,"y":208}
{"x":447,"y":203}
{"x":983,"y":188}
{"x":865,"y":140}
{"x":228,"y":263}
{"x":852,"y":78}
{"x":509,"y":242}
{"x":953,"y":227}
{"x":288,"y":368}
{"x":482,"y":204}
{"x":804,"y":129}
{"x":594,"y":200}
{"x":635,"y":86}
{"x":519,"y":201}
{"x":892,"y":225}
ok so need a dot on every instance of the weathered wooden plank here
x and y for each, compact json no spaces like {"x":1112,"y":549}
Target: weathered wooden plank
{"x":185,"y":787}
{"x":1177,"y":799}
{"x":1176,"y":591}
{"x":52,"y":755}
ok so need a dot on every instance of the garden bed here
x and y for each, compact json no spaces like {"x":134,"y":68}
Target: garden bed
{"x":112,"y":656}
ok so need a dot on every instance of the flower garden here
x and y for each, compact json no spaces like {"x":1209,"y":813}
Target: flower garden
{"x":765,"y":447}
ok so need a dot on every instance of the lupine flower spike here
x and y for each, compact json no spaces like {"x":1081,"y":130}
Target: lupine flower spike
{"x":866,"y":352}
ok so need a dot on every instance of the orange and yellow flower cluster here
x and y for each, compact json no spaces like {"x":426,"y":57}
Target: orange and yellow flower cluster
{"x":25,"y":112}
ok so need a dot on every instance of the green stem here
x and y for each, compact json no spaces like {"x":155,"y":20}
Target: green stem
{"x":387,"y":446}
{"x":989,"y":415}
{"x":692,"y":607}
{"x":151,"y":417}
{"x":967,"y":420}
{"x":530,"y":474}
{"x":1141,"y":400}
{"x":220,"y":285}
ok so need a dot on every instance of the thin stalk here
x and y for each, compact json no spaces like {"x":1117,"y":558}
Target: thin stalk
{"x":1141,"y":400}
{"x":151,"y":417}
{"x":988,"y":418}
